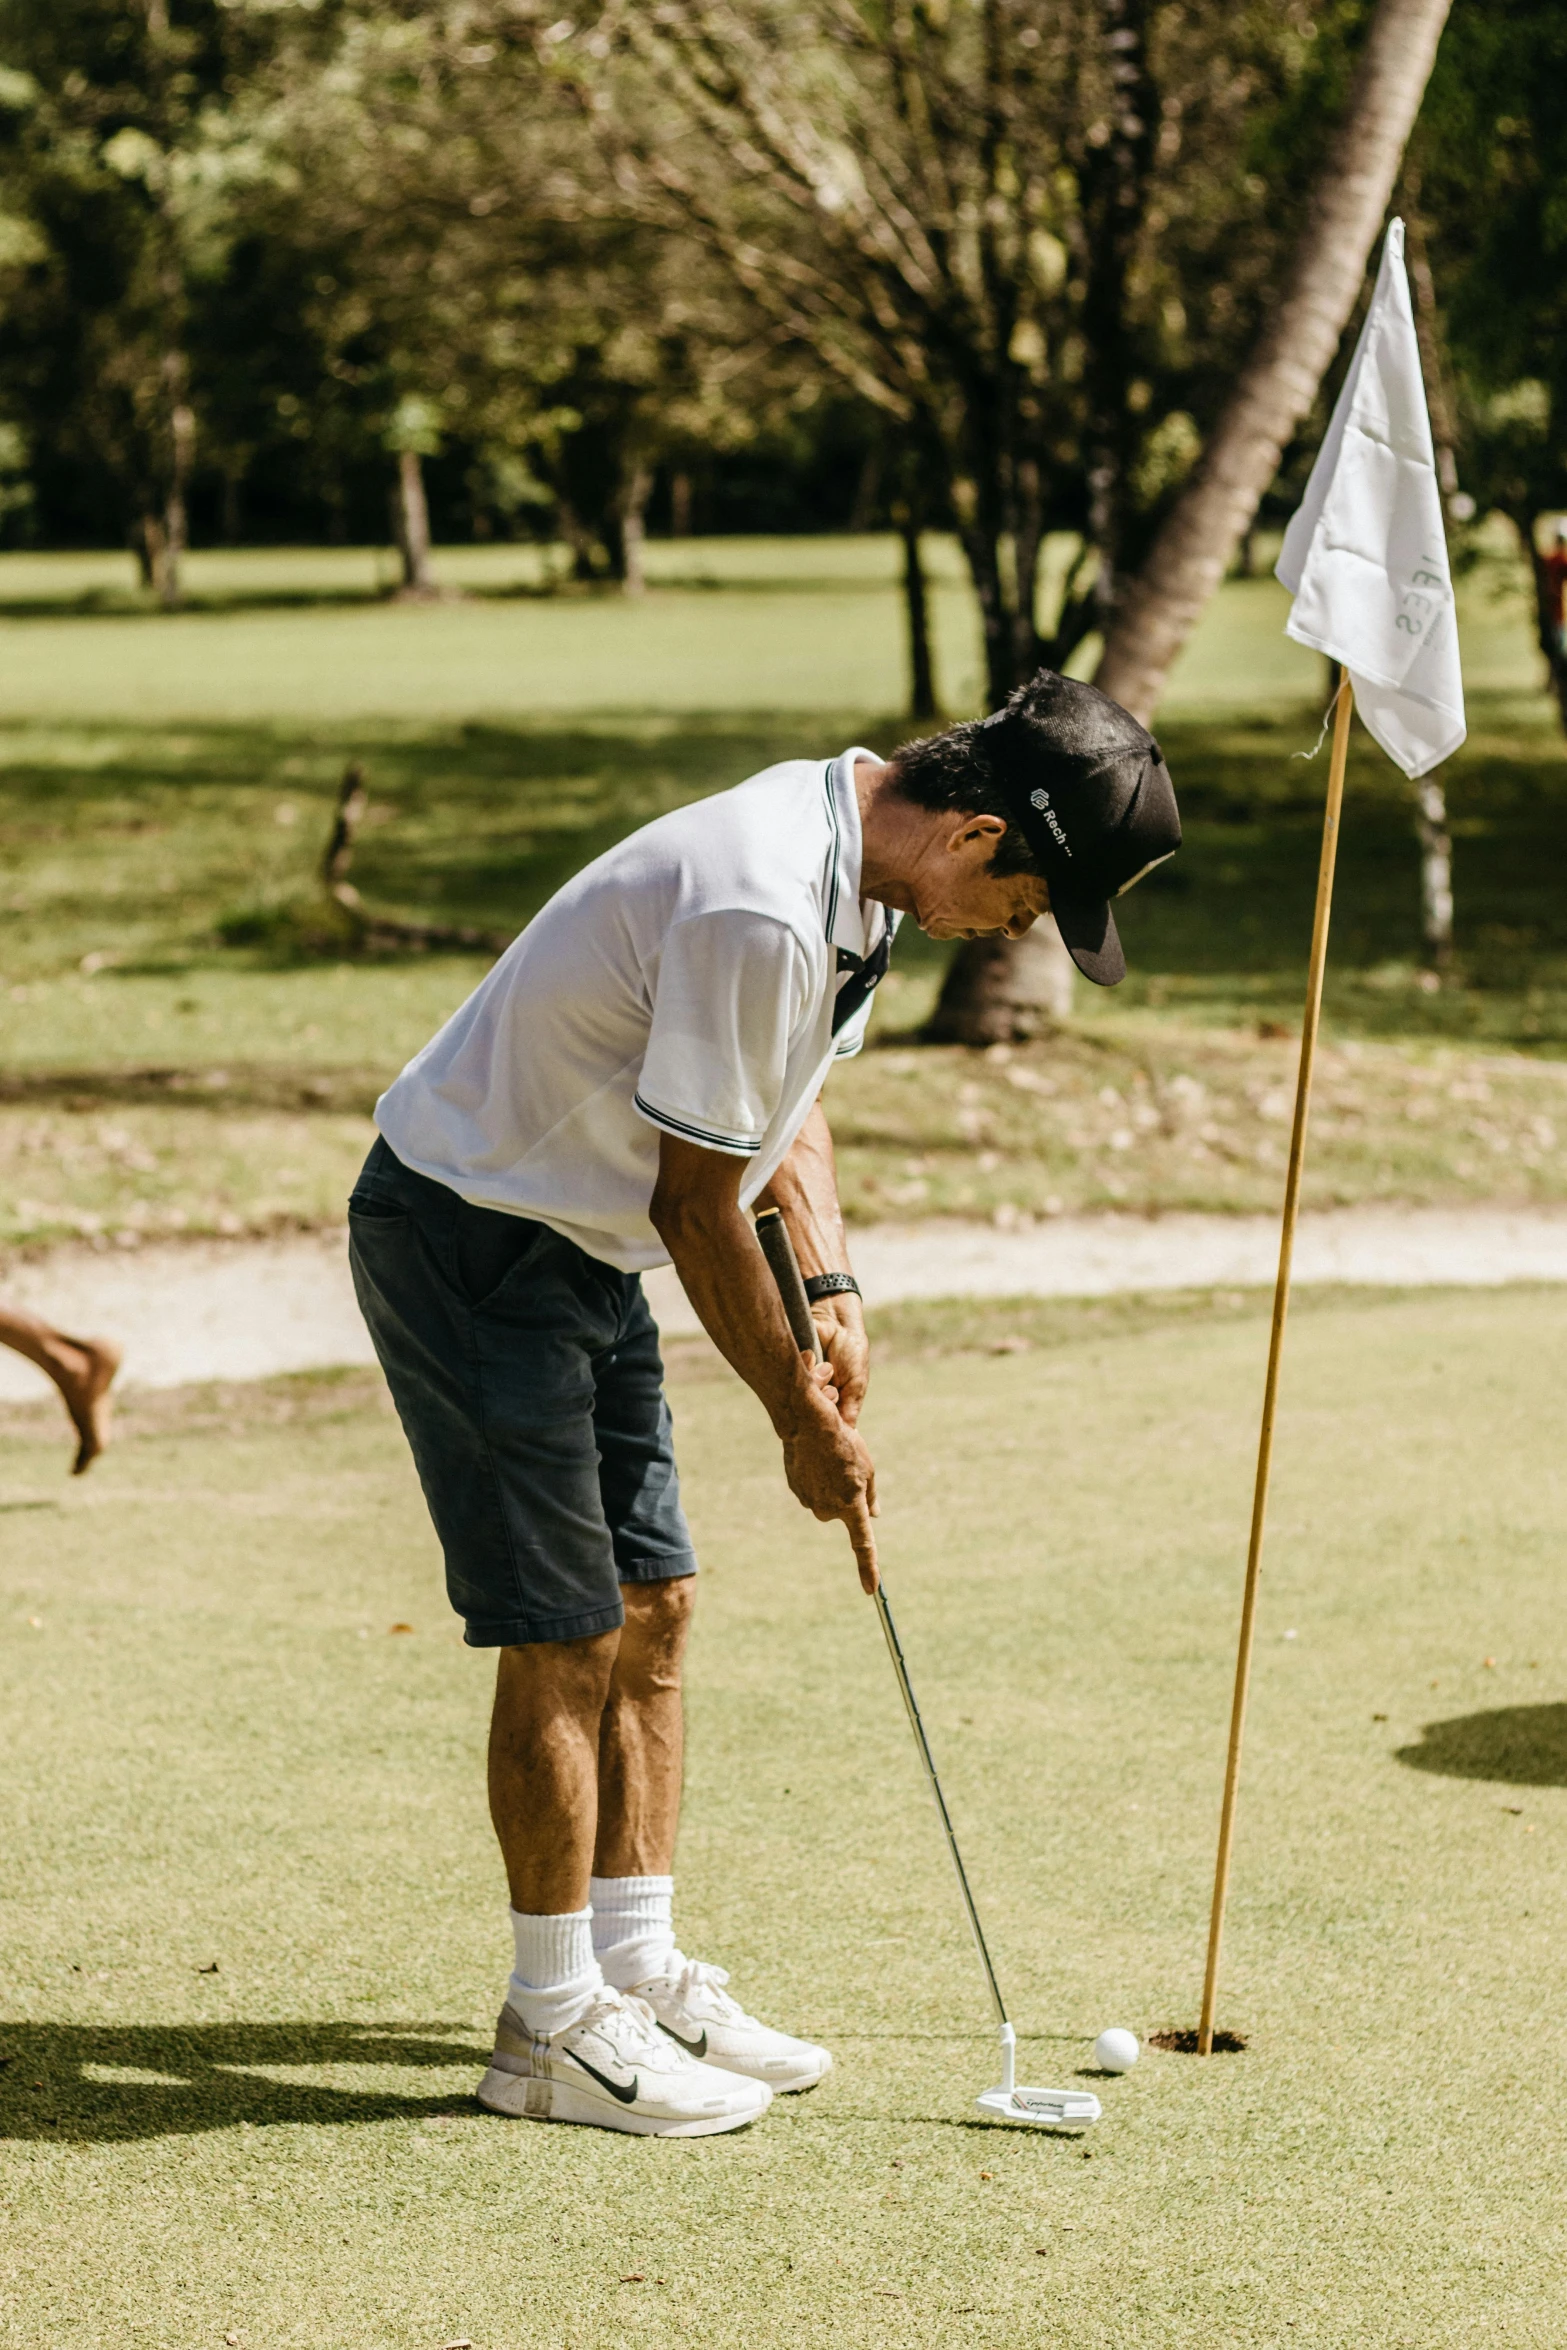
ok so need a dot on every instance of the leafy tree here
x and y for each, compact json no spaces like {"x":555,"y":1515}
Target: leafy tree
{"x":1493,"y":161}
{"x":120,"y":176}
{"x":1043,"y":236}
{"x":1343,"y":182}
{"x":474,"y":280}
{"x":1033,"y":233}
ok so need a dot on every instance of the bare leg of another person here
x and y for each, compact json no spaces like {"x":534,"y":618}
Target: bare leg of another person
{"x":83,"y":1369}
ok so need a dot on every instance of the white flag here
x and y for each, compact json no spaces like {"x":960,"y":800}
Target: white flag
{"x":1365,"y":557}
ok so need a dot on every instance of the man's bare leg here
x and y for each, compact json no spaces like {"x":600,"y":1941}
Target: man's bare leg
{"x":544,"y":1764}
{"x":640,"y":1754}
{"x":568,"y":2047}
{"x":83,"y":1369}
{"x":642,"y":1740}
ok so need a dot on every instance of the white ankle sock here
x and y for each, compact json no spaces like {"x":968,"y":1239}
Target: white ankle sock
{"x":557,"y":1973}
{"x":633,"y":1938}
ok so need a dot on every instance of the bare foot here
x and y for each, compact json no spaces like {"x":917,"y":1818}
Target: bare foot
{"x":84,"y":1372}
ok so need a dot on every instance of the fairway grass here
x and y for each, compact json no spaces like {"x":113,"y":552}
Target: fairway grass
{"x":179,"y":1056}
{"x":220,"y":1755}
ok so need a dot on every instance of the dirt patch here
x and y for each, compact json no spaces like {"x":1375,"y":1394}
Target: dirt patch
{"x":1185,"y":2043}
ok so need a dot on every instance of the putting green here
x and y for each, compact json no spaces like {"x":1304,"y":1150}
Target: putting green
{"x":219,"y":1753}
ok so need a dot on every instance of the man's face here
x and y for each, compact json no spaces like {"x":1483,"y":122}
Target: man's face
{"x":954,"y":893}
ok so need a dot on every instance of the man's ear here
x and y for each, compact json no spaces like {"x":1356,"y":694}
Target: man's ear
{"x":985,"y":829}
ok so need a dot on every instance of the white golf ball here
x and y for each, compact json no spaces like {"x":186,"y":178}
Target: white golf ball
{"x":1116,"y":2051}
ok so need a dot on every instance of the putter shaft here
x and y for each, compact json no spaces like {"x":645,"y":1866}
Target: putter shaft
{"x":773,"y":1235}
{"x":911,"y":1707}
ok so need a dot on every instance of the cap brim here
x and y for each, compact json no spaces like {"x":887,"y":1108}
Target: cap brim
{"x":1091,"y":939}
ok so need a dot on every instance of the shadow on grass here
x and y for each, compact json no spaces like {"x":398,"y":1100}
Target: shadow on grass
{"x":211,"y":2077}
{"x":237,"y":1085}
{"x":127,"y":604}
{"x":1522,"y":1745}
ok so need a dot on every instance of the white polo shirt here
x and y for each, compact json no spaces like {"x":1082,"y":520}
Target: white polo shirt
{"x":683,"y":983}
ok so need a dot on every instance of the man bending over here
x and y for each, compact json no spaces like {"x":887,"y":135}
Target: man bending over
{"x":638,"y":1070}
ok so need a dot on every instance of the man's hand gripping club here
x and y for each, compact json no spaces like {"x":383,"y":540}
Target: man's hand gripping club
{"x":696,"y":1213}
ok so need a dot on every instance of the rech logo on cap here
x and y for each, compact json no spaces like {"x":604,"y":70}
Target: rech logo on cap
{"x":1041,"y":801}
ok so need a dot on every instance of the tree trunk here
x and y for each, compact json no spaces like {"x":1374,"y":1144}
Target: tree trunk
{"x":1436,"y":870}
{"x":631,"y":530}
{"x":584,"y":566}
{"x":1428,"y":335}
{"x":1436,"y":843}
{"x":998,"y":991}
{"x":1113,"y":182}
{"x":916,"y":605}
{"x":412,"y":519}
{"x":1278,"y":383}
{"x":176,"y":523}
{"x":680,"y":505}
{"x":979,"y":547}
{"x":147,"y":546}
{"x":1004,"y":991}
{"x":867,"y":490}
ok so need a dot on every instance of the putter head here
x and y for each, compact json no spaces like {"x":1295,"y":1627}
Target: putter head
{"x":1049,"y":2108}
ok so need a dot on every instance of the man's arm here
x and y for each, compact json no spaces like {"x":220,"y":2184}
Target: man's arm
{"x":805,"y":1189}
{"x":696,"y":1212}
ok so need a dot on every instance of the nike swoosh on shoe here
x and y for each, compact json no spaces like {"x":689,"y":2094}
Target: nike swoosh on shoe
{"x":697,"y":2047}
{"x":627,"y":2096}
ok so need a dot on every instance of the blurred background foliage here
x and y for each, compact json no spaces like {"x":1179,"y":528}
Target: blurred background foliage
{"x":349,"y":271}
{"x":562,"y":407}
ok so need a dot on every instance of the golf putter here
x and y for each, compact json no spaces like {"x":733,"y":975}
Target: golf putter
{"x":1051,"y":2107}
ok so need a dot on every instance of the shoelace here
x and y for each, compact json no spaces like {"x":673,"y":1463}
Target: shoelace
{"x":630,"y":2026}
{"x":696,"y":1975}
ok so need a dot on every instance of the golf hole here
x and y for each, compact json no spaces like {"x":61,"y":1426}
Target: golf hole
{"x":1185,"y":2043}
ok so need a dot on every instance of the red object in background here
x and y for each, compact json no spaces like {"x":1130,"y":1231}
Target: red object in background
{"x":1554,"y":565}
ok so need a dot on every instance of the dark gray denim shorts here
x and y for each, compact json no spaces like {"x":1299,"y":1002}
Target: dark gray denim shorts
{"x":528,"y":1380}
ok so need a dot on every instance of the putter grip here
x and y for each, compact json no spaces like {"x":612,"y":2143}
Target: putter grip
{"x":778,"y":1249}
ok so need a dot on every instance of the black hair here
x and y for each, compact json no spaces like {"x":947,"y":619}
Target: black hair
{"x":951,"y":772}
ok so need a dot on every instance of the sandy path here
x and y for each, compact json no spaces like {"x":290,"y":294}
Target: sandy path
{"x":247,"y":1309}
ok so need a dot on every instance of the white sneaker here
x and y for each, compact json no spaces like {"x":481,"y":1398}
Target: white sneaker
{"x":616,"y":2070}
{"x":695,"y":2009}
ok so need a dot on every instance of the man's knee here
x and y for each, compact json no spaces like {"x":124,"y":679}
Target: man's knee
{"x":658,"y":1619}
{"x":544,"y":1681}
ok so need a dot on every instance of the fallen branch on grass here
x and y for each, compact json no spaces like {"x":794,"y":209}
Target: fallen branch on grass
{"x":385,"y":932}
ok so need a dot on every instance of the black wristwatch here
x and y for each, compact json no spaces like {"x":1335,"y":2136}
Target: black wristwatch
{"x":820,"y":1285}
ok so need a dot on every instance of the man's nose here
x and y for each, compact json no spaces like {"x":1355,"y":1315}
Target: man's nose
{"x":1020,"y":925}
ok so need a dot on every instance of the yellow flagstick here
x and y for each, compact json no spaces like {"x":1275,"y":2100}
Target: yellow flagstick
{"x":1343,"y":710}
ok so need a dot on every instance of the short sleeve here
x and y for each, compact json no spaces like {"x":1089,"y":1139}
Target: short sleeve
{"x":730,"y":990}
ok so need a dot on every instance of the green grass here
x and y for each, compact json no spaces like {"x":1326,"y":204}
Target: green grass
{"x":297,"y":636}
{"x":217,"y":1755}
{"x":166,"y":787}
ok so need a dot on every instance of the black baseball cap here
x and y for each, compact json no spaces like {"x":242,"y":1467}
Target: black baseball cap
{"x":1088,"y":789}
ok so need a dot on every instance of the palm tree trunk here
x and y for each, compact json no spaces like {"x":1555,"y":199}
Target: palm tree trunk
{"x":1277,"y":385}
{"x":1154,"y":613}
{"x":1004,"y":991}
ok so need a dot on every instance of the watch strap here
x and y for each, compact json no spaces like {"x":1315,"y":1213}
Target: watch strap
{"x":820,"y":1285}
